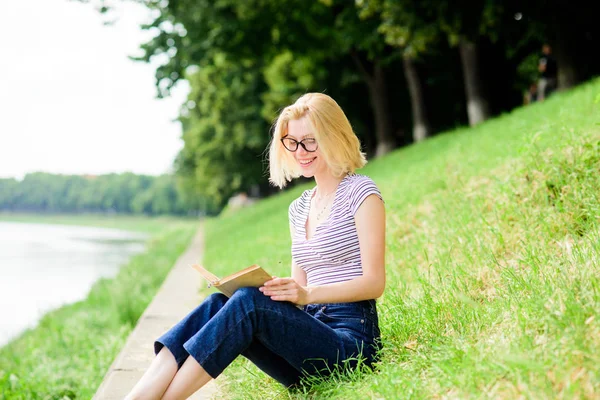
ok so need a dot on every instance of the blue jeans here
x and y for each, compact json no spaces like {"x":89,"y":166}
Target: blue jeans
{"x":283,"y":340}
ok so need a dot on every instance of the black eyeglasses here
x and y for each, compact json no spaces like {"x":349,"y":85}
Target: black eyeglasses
{"x":309,"y":144}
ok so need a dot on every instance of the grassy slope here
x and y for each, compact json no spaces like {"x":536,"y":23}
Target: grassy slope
{"x":492,"y":261}
{"x":67,"y":355}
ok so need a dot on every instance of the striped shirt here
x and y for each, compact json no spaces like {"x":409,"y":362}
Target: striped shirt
{"x":332,"y":254}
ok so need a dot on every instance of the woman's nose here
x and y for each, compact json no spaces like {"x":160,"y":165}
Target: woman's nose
{"x":301,"y":150}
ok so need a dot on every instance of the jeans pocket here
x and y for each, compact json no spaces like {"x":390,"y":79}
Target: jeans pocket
{"x":346,"y":311}
{"x":344,"y":316}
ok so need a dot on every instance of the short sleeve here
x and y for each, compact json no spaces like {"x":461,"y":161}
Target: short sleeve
{"x":362,"y":188}
{"x":292,"y":214}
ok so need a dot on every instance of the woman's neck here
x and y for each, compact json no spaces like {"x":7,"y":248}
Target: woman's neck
{"x":327,"y":184}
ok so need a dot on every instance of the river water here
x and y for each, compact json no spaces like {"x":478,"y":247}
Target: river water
{"x":45,"y":266}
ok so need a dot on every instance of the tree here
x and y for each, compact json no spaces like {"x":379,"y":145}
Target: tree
{"x":361,"y":39}
{"x":464,"y":23}
{"x":217,"y":44}
{"x":191,"y":32}
{"x":404,"y":28}
{"x":121,"y":193}
{"x":8,"y":193}
{"x":223,"y":131}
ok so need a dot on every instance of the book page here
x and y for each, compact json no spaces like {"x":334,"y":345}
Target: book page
{"x":254,"y":277}
{"x":212,"y":279}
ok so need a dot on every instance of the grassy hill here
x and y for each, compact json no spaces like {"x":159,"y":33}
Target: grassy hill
{"x":492,"y":260}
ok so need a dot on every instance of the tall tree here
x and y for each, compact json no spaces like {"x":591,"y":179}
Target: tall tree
{"x":361,"y":39}
{"x":464,"y":23}
{"x":477,"y":104}
{"x":405,"y":28}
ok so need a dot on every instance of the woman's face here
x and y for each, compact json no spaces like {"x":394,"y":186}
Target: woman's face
{"x":311,"y":163}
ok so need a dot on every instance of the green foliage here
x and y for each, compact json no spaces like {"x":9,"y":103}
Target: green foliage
{"x":468,"y":20}
{"x":407,"y":25}
{"x":194,"y":33}
{"x":352,"y":34}
{"x":289,"y":76}
{"x":224,"y":133}
{"x":229,"y":44}
{"x":67,"y":355}
{"x":254,"y":57}
{"x":527,"y":71}
{"x":492,"y":262}
{"x":125,"y":193}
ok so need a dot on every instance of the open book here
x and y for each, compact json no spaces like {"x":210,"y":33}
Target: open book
{"x":253,"y":276}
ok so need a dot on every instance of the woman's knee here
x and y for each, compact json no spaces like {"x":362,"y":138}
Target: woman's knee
{"x":216,"y":298}
{"x":215,"y":302}
{"x":248,"y":295}
{"x":211,"y":305}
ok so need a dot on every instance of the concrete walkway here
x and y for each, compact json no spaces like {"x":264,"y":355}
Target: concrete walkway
{"x":175,"y":299}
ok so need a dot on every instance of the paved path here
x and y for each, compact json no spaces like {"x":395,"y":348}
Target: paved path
{"x":176,"y":297}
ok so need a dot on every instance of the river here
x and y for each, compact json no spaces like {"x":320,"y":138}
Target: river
{"x":45,"y":266}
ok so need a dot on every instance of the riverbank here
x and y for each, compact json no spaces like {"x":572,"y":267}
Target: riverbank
{"x":69,"y":352}
{"x":178,"y":295}
{"x":45,"y":266}
{"x":133,"y":223}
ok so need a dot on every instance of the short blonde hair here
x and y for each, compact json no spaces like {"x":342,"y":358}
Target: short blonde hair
{"x":337,"y":141}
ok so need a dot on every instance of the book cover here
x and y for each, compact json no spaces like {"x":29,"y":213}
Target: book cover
{"x":253,"y":276}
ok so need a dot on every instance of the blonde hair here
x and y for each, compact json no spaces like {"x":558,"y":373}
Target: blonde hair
{"x":337,"y":141}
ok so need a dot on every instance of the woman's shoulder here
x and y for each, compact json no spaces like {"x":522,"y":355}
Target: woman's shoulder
{"x":359,"y":178}
{"x":357,"y":182}
{"x":359,"y":187}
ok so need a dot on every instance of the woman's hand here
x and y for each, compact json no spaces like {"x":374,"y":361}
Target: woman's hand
{"x":286,"y":289}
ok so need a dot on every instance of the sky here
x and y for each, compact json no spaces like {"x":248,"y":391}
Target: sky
{"x":71,"y":102}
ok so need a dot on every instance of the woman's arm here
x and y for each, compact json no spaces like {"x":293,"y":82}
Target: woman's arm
{"x":370,"y":227}
{"x":298,"y":274}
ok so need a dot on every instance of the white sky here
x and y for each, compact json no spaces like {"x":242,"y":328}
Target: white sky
{"x":71,"y":101}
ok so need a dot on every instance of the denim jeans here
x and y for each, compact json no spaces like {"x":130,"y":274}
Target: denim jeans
{"x":283,"y":340}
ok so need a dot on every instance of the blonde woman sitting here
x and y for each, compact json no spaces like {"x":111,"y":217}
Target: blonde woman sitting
{"x":322,"y":317}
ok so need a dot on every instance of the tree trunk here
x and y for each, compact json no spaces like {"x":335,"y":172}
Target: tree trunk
{"x":379,"y":102}
{"x":421,"y":128}
{"x":568,"y":24}
{"x":477,"y":107}
{"x":566,"y":64}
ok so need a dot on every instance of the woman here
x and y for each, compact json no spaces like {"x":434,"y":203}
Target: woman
{"x":323,"y":316}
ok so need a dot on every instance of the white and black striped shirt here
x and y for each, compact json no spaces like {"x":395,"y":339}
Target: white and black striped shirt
{"x":332,"y":254}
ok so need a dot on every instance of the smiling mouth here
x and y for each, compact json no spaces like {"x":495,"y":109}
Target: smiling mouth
{"x":306,"y":163}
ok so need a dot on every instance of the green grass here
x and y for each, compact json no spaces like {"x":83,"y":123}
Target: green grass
{"x":67,"y":355}
{"x":493,"y":243}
